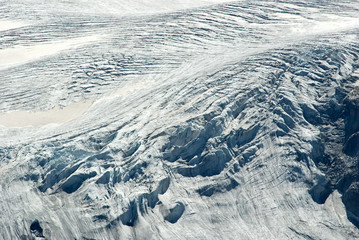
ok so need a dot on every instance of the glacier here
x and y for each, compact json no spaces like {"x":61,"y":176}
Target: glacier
{"x":205,"y":119}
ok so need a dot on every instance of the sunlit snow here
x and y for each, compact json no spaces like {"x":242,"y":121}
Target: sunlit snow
{"x":204,"y":119}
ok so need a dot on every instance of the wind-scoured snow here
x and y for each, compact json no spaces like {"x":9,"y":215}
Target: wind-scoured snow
{"x":179,"y":120}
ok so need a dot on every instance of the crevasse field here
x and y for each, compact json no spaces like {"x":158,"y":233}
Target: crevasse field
{"x":179,"y":119}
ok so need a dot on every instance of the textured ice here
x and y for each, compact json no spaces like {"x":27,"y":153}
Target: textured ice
{"x":179,"y":119}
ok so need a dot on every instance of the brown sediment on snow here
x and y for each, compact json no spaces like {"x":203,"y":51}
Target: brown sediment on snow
{"x":23,"y":54}
{"x":57,"y":115}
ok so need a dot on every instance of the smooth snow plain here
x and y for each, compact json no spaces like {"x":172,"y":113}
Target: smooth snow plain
{"x":200,"y":119}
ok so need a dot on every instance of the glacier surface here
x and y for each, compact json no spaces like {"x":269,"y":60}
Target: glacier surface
{"x":205,"y":119}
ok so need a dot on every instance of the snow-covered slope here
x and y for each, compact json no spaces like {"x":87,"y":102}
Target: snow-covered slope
{"x":179,"y":120}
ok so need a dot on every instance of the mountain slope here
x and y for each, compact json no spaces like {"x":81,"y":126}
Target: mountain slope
{"x":207,"y":121}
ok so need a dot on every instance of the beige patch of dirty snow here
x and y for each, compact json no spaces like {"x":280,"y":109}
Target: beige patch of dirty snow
{"x":18,"y":55}
{"x":56,"y":115}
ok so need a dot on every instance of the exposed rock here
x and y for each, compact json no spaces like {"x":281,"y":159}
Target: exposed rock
{"x":36,"y":229}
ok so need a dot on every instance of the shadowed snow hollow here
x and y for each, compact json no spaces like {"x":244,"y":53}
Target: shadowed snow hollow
{"x":179,"y":120}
